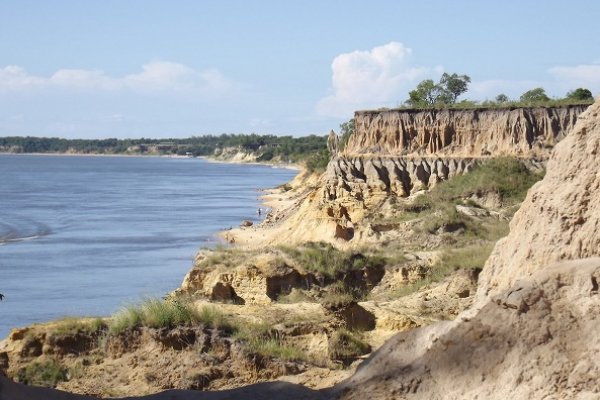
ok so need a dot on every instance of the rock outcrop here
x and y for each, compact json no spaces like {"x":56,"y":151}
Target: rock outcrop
{"x":523,"y":132}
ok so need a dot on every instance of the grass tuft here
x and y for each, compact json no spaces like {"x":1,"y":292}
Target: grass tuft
{"x":74,"y":325}
{"x":347,"y":346}
{"x":469,"y":257}
{"x":267,"y":342}
{"x":326,"y":260}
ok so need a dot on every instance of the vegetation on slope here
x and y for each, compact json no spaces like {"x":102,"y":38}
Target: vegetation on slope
{"x":155,"y":313}
{"x":464,"y":241}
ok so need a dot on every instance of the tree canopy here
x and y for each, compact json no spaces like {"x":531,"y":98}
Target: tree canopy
{"x":502,"y":98}
{"x":537,"y":95}
{"x":446,"y":91}
{"x":346,"y":130}
{"x":580,"y":94}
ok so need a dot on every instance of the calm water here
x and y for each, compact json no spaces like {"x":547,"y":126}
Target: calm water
{"x":86,"y":235}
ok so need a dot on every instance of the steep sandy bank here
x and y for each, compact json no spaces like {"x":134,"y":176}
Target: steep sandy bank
{"x":523,"y":132}
{"x":560,"y":218}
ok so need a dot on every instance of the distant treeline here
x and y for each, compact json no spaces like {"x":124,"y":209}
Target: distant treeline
{"x":311,"y":150}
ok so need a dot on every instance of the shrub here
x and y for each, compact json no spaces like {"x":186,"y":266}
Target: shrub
{"x":267,"y":342}
{"x":317,"y":161}
{"x":73,"y":325}
{"x":167,"y":314}
{"x":220,"y":255}
{"x":295,"y":296}
{"x":470,"y":257}
{"x":46,"y":373}
{"x":326,"y":260}
{"x":346,"y":346}
{"x":127,"y":318}
{"x":342,"y":293}
{"x":213,"y":318}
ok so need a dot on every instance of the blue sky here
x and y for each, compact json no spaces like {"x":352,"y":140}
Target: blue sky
{"x":127,"y":68}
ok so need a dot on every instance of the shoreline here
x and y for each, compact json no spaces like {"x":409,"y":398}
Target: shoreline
{"x":281,"y":204}
{"x":291,"y":166}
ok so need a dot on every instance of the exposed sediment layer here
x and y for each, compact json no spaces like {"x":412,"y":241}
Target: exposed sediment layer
{"x":361,"y":176}
{"x":523,"y":132}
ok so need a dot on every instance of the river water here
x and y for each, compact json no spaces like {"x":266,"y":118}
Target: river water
{"x":86,"y":235}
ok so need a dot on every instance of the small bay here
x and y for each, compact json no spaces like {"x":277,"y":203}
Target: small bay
{"x":85,"y":235}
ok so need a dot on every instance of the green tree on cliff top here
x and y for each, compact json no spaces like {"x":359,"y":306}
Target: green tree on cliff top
{"x":580,"y":94}
{"x":537,"y":95}
{"x":446,"y":91}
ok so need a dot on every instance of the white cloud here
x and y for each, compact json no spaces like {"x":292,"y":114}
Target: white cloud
{"x":371,"y":79}
{"x":579,"y":75}
{"x":161,"y":76}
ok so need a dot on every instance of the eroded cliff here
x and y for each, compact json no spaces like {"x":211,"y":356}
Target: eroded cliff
{"x":523,"y":132}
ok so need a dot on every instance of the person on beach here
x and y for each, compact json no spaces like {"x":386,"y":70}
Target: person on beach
{"x":259,"y":211}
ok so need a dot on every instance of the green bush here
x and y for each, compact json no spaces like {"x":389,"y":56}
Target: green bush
{"x":340,"y":294}
{"x":127,"y":318}
{"x":213,"y":318}
{"x":295,"y":296}
{"x":317,"y":162}
{"x":167,"y":314}
{"x":326,"y":260}
{"x":155,"y":313}
{"x":46,"y":373}
{"x":469,"y":257}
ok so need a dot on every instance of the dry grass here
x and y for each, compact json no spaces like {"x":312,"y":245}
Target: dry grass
{"x":262,"y":339}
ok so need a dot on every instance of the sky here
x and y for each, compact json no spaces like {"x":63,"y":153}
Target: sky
{"x":177,"y":68}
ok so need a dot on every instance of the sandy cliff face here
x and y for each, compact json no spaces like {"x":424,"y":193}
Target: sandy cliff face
{"x":524,"y":132}
{"x":560,"y":218}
